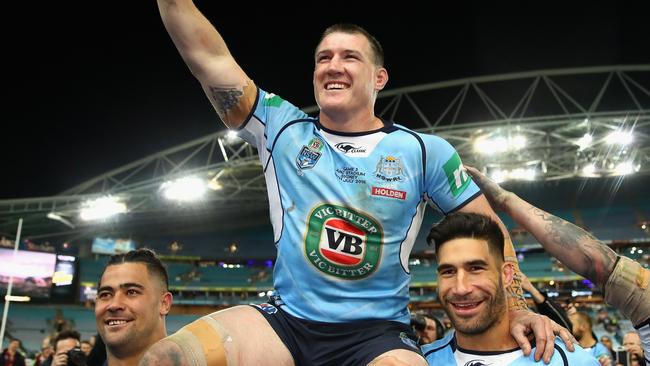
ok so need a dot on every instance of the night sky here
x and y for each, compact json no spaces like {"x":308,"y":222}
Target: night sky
{"x":89,"y":89}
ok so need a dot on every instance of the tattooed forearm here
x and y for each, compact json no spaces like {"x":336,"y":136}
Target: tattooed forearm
{"x":516,"y":299}
{"x":225,"y":100}
{"x":576,"y":248}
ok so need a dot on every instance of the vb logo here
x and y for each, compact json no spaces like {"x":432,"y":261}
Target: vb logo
{"x":342,"y":242}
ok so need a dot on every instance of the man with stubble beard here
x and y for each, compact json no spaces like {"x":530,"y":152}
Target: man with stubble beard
{"x":132,"y":303}
{"x":472,"y":280}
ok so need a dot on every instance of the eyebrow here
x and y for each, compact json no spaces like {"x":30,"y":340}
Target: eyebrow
{"x":122,"y":286}
{"x":477,"y":262}
{"x":344,"y":51}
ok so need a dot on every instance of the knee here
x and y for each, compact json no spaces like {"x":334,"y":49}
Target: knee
{"x":196,"y":344}
{"x":387,"y":361}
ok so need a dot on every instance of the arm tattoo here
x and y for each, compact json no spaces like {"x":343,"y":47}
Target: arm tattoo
{"x":516,"y":299}
{"x":174,"y":357}
{"x":147,"y":360}
{"x":225,"y":99}
{"x":579,"y":250}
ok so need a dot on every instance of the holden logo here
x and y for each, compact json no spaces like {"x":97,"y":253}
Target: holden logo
{"x":342,"y":242}
{"x":350,"y":148}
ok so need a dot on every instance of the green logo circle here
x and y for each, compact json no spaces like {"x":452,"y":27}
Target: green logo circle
{"x":342,"y":242}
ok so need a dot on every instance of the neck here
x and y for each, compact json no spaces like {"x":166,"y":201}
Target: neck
{"x":345,"y":122}
{"x":130,"y":356}
{"x":495,"y":338}
{"x":130,"y":360}
{"x":587,"y":341}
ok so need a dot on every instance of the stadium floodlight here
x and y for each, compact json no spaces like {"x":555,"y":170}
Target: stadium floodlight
{"x":526,"y":171}
{"x":59,"y":217}
{"x":499,"y":144}
{"x":17,"y":298}
{"x":585,"y":141}
{"x":518,"y":142}
{"x":184,"y":189}
{"x":490,"y":146}
{"x":101,"y":208}
{"x":589,"y":169}
{"x":620,"y":138}
{"x":626,"y":168}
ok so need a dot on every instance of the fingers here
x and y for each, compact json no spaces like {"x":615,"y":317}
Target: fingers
{"x":519,"y":334}
{"x":549,"y":341}
{"x":567,"y":338}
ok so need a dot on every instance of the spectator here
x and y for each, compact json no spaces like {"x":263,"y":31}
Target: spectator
{"x":86,"y":347}
{"x":583,"y":331}
{"x":11,"y":356}
{"x":65,"y":341}
{"x":427,"y":328}
{"x":632,"y":344}
{"x":97,"y":355}
{"x":46,"y":352}
{"x":607,"y":342}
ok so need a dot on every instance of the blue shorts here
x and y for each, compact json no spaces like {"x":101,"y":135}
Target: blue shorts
{"x":345,"y":344}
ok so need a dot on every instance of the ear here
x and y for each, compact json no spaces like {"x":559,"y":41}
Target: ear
{"x":381,"y":79}
{"x":507,"y":273}
{"x":165,"y":303}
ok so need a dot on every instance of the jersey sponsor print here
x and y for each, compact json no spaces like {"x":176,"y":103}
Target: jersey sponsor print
{"x":343,"y":242}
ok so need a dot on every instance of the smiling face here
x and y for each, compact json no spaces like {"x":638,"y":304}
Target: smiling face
{"x":470,"y":285}
{"x":130,"y":308}
{"x":346,"y":77}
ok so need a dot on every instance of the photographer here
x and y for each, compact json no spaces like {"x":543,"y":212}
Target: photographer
{"x":428,"y":329}
{"x":632,"y":345}
{"x":66,"y":350}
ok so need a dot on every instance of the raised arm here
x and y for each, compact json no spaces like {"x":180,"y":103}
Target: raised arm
{"x":577,"y":249}
{"x":204,"y":51}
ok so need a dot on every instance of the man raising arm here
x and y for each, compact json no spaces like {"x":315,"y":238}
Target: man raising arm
{"x":625,"y":283}
{"x":347,"y":192}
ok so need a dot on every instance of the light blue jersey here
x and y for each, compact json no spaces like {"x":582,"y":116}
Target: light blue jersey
{"x":599,"y":351}
{"x":346,"y":209}
{"x":445,"y":352}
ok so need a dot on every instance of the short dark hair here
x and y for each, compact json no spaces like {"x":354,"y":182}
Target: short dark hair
{"x":66,"y":334}
{"x":584,"y":318}
{"x":143,"y":255}
{"x":468,"y":225}
{"x":375,"y":46}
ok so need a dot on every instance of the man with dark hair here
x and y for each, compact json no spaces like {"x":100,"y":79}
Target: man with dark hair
{"x":347,"y":193}
{"x":11,"y":356}
{"x":63,"y":342}
{"x":583,"y":331}
{"x":427,"y":327}
{"x":625,"y":283}
{"x":472,"y":275}
{"x":132,"y":303}
{"x":86,"y":347}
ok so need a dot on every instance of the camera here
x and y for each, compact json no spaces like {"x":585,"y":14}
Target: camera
{"x":622,"y":357}
{"x":76,"y":357}
{"x":418,"y":322}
